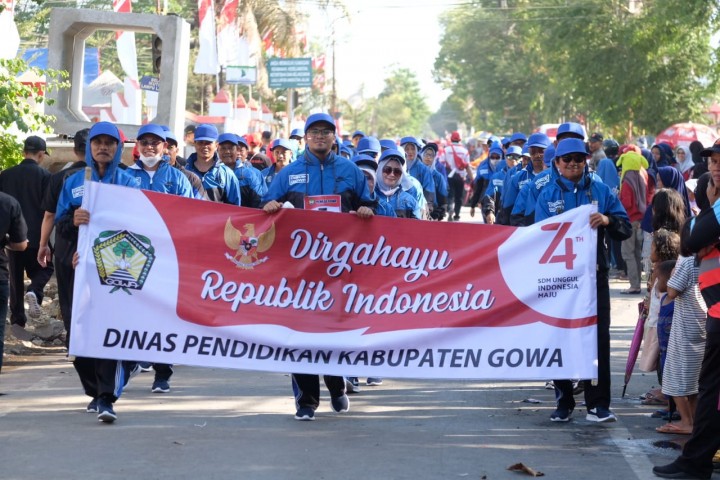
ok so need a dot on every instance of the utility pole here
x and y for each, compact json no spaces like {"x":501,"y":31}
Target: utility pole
{"x":333,"y":95}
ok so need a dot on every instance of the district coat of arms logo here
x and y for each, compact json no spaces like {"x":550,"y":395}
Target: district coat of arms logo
{"x":247,"y":244}
{"x":123,"y":259}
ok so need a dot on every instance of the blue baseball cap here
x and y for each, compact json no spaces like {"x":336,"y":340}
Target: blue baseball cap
{"x":344,"y":149}
{"x":526,"y":150}
{"x":152,"y":129}
{"x":228,"y":137}
{"x":241,"y":141}
{"x":393,"y":153}
{"x":386,"y":143}
{"x":170,"y":136}
{"x":369,"y":144}
{"x":413,"y":140}
{"x":572,"y":130}
{"x":281,"y":142}
{"x":297,"y":132}
{"x":539,"y":140}
{"x":548,"y":155}
{"x":366,"y":160}
{"x":104,"y":128}
{"x":318,"y":117}
{"x":518,"y":136}
{"x":570,"y":145}
{"x":514,"y":150}
{"x":357,"y":133}
{"x":206,"y":133}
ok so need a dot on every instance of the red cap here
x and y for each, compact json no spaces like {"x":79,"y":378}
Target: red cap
{"x":455,"y":136}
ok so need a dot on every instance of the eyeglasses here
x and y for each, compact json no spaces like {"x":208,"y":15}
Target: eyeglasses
{"x":392,"y":171}
{"x":320,"y":133}
{"x":149,"y":143}
{"x":577,"y":158}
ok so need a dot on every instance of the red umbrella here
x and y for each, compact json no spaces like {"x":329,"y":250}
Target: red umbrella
{"x":635,"y":345}
{"x":683,"y":134}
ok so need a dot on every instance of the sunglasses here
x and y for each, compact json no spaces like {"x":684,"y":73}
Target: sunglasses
{"x":514,"y":157}
{"x":392,"y":171}
{"x":578,"y":158}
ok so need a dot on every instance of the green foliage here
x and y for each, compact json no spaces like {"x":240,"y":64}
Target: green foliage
{"x":16,"y":106}
{"x":594,"y":61}
{"x":399,"y":110}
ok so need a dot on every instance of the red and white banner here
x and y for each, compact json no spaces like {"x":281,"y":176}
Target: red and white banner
{"x":207,"y":59}
{"x":174,"y":280}
{"x":126,"y":51}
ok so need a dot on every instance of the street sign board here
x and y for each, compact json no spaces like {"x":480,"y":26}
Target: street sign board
{"x":241,"y":75}
{"x":151,"y":84}
{"x":289,"y":72}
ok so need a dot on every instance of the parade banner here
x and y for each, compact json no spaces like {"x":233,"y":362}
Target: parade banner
{"x":183,"y":281}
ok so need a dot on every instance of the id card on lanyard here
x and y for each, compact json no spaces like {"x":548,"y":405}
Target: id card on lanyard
{"x":323,"y":203}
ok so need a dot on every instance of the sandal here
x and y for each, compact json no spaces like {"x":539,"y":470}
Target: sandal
{"x":651,"y":399}
{"x":673,"y":429}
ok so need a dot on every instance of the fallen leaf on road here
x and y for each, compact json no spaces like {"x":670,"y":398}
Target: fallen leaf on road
{"x":520,"y":467}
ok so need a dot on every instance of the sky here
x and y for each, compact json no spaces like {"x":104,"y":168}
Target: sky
{"x":378,"y":36}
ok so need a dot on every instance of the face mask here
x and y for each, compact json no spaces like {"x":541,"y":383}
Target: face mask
{"x":150,"y":162}
{"x":494,"y":161}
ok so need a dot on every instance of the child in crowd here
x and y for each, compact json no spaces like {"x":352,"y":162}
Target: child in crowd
{"x":686,"y":345}
{"x":662,"y":272}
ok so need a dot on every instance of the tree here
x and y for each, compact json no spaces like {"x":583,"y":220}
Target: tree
{"x":17,"y":106}
{"x":400,"y":109}
{"x":596,"y":61}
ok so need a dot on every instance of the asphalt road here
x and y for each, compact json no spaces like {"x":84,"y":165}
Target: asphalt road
{"x":222,"y":424}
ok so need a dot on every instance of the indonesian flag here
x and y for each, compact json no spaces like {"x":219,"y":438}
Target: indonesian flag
{"x":207,"y":59}
{"x":11,"y":39}
{"x":228,"y":36}
{"x":126,"y":43}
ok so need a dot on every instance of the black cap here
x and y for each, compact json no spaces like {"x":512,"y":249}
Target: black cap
{"x":596,"y":137}
{"x":80,"y":139}
{"x":714,"y":149}
{"x":35,"y":144}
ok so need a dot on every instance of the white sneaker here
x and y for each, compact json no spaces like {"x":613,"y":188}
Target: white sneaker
{"x":34,"y":310}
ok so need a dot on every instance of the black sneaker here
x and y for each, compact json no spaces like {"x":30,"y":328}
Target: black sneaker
{"x":671,"y":470}
{"x":105,"y":411}
{"x":340,"y":404}
{"x":92,"y":406}
{"x":561,"y":414}
{"x":600,"y":415}
{"x":160,"y":386}
{"x":306,"y":414}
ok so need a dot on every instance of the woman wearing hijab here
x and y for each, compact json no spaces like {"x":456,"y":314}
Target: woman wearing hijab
{"x":391,"y":188}
{"x":700,"y":162}
{"x":684,"y":162}
{"x":663,"y":154}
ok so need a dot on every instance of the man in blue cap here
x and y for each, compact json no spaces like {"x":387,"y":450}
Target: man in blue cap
{"x":103,"y":380}
{"x":232,"y":150}
{"x":513,"y":202}
{"x":153,"y":172}
{"x":318,"y":173}
{"x":356,"y":136}
{"x":575,"y":187}
{"x":369,"y":146}
{"x":219,"y":181}
{"x":297,"y":135}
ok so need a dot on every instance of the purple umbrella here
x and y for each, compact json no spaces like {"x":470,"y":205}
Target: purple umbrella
{"x":635,"y":344}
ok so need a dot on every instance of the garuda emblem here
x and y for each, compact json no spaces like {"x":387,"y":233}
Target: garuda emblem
{"x":247,"y":245}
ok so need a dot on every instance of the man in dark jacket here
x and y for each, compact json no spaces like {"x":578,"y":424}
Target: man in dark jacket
{"x":27,"y":183}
